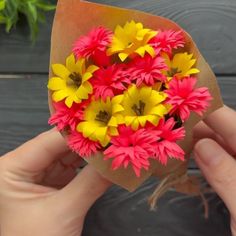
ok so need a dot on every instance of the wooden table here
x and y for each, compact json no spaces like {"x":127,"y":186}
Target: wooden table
{"x":24,"y":113}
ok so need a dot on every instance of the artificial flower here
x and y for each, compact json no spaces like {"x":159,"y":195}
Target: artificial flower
{"x":81,"y":145}
{"x":109,"y":81}
{"x":72,"y":81}
{"x":166,"y":146}
{"x":131,"y":39}
{"x":184,"y":97}
{"x":181,"y":65}
{"x":93,"y":45}
{"x":147,"y":70}
{"x":131,"y":148}
{"x":101,"y":119}
{"x":143,"y":104}
{"x":65,"y":117}
{"x":167,"y":40}
{"x":127,"y":94}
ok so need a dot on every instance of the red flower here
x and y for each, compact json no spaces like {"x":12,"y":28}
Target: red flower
{"x":166,"y":146}
{"x":167,"y":40}
{"x":81,"y":145}
{"x":65,"y":117}
{"x":94,"y":45}
{"x":131,"y":147}
{"x":109,"y":81}
{"x":184,"y":98}
{"x":147,"y":70}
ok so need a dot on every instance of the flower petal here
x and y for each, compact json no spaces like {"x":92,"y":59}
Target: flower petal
{"x":82,"y":92}
{"x":56,"y":83}
{"x":86,"y":76}
{"x":61,"y":71}
{"x":59,"y":95}
{"x":123,"y":56}
{"x":70,"y":63}
{"x":113,"y":131}
{"x":88,"y":87}
{"x":92,"y":69}
{"x":69,"y":101}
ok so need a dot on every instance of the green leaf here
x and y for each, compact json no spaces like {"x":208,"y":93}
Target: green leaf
{"x":11,"y":7}
{"x":11,"y":14}
{"x":2,"y":19}
{"x":33,"y":28}
{"x":2,"y":4}
{"x":46,"y":6}
{"x":32,"y":11}
{"x":9,"y":24}
{"x":41,"y":17}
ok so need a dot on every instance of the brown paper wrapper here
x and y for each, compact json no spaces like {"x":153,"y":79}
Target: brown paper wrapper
{"x":75,"y":18}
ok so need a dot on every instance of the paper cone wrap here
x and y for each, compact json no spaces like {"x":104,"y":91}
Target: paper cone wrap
{"x":75,"y":18}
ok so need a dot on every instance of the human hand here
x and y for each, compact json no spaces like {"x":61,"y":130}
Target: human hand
{"x":215,"y":155}
{"x":40,"y":191}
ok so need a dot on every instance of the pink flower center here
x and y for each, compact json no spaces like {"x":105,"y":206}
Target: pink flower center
{"x":139,"y":109}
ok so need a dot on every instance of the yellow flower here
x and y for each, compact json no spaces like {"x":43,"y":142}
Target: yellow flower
{"x":142,"y":105}
{"x":101,"y":119}
{"x":130,"y":39}
{"x":71,"y":81}
{"x":181,"y":65}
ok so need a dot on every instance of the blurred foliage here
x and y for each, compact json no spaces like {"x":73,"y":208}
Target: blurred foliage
{"x":33,"y":10}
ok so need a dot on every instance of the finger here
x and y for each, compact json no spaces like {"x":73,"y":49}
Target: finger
{"x":61,"y":172}
{"x":83,"y":190}
{"x":202,"y":130}
{"x":40,"y":152}
{"x":219,"y":168}
{"x":222,"y":121}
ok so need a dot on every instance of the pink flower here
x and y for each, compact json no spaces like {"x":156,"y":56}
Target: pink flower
{"x":184,"y":98}
{"x":109,"y":81}
{"x":147,"y":70}
{"x":81,"y":145}
{"x":166,"y":146}
{"x":167,"y":40}
{"x":65,"y":117}
{"x":94,"y":45}
{"x":131,"y":147}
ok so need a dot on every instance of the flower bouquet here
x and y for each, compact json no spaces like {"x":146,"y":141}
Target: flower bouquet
{"x":126,"y":91}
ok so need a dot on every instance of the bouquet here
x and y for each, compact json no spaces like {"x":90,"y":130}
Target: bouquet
{"x":126,"y":94}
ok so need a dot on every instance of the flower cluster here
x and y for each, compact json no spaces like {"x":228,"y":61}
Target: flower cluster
{"x":127,"y":94}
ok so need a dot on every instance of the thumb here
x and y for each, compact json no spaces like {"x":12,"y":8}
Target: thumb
{"x":83,"y":190}
{"x":219,"y":168}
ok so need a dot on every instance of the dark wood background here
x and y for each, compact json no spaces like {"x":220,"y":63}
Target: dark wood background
{"x":24,"y":113}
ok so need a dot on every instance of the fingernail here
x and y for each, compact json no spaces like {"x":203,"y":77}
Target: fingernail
{"x":208,"y":151}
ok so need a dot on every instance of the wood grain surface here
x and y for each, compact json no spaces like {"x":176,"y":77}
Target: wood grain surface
{"x":121,"y":213}
{"x":210,"y":22}
{"x":24,"y":107}
{"x":24,"y":114}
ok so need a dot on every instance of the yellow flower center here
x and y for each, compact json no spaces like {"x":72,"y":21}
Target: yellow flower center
{"x":75,"y":79}
{"x":142,"y":105}
{"x":173,"y":71}
{"x":103,"y":117}
{"x":139,"y":109}
{"x":131,"y":39}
